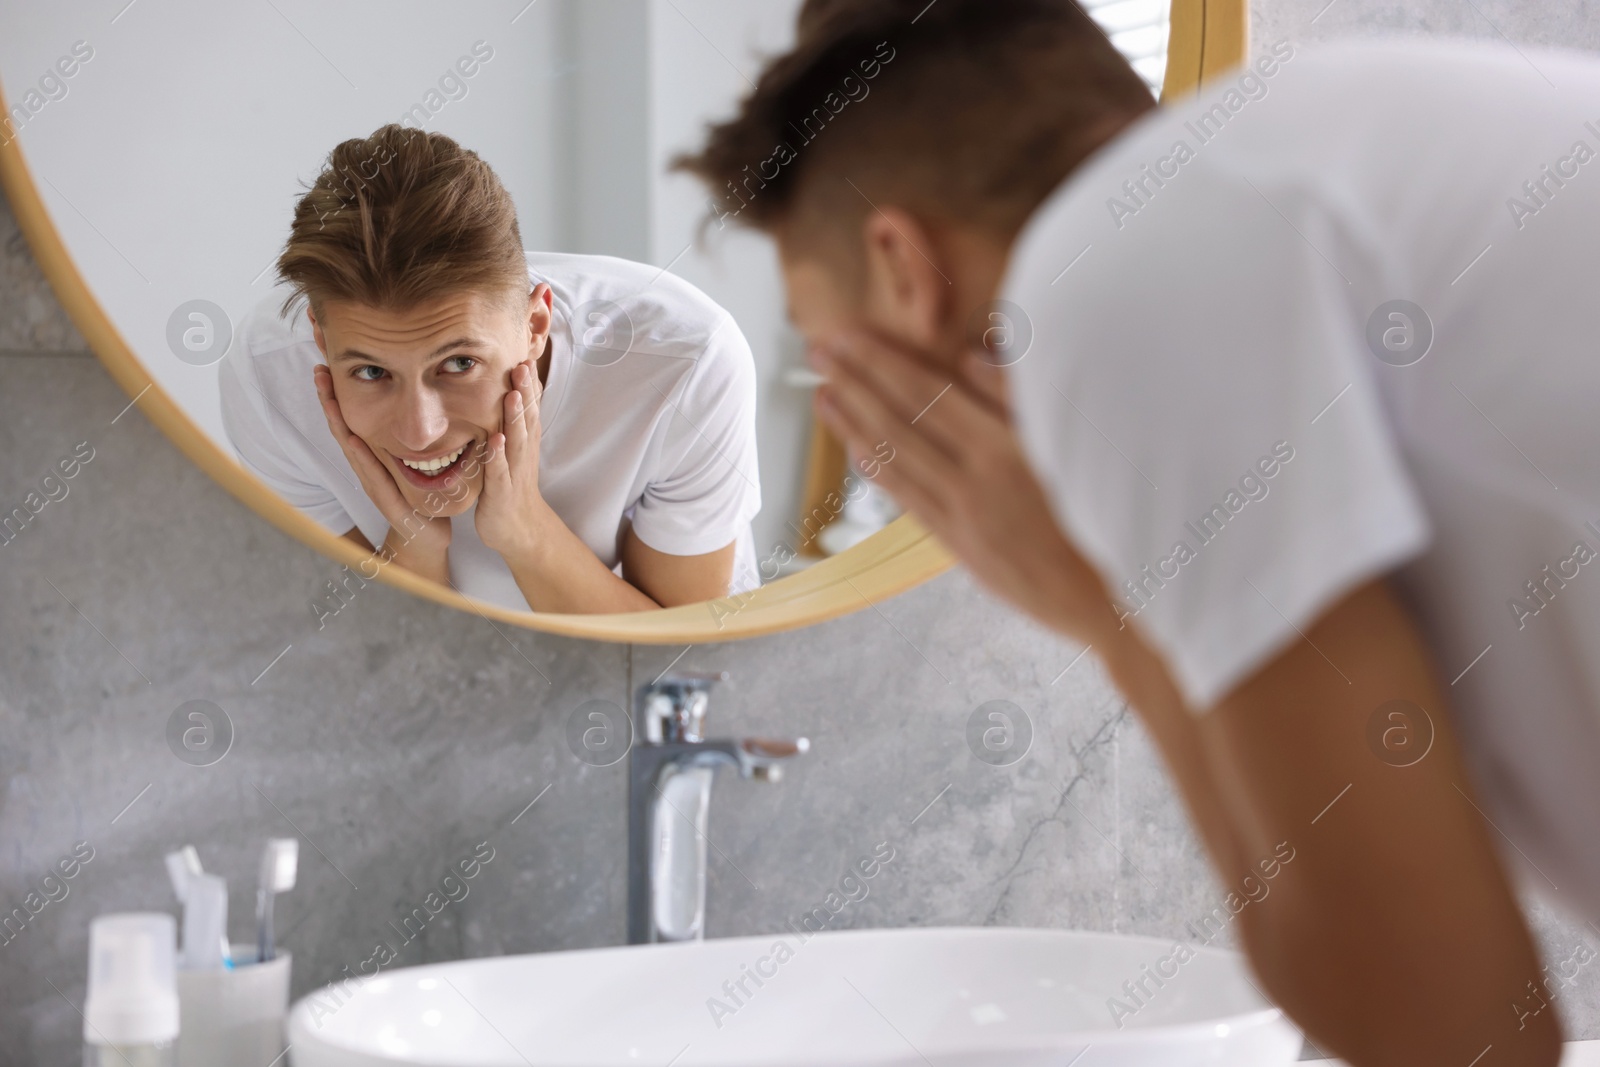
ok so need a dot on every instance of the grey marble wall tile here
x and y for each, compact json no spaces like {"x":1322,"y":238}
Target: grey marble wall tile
{"x":1572,"y":24}
{"x":885,"y":697}
{"x":31,"y":319}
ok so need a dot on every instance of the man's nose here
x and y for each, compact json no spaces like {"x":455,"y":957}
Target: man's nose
{"x":422,"y":420}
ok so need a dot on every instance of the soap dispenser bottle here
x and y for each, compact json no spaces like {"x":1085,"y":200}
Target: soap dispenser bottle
{"x":130,"y":1017}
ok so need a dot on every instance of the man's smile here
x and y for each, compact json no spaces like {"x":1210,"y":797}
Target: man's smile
{"x":430,"y":472}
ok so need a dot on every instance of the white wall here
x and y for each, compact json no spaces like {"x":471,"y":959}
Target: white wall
{"x":603,"y":148}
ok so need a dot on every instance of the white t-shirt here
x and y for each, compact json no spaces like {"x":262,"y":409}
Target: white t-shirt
{"x":663,"y":435}
{"x":1221,"y":438}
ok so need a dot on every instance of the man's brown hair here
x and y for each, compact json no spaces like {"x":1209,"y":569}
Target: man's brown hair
{"x":400,"y":218}
{"x":971,"y":110}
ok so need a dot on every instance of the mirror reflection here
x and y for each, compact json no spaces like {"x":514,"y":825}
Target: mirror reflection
{"x":427,"y":274}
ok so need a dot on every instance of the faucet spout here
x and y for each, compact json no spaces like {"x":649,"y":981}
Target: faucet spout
{"x":670,"y":773}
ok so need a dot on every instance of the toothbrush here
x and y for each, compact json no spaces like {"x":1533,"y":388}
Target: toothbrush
{"x":205,"y":922}
{"x":183,"y":867}
{"x":279,"y":860}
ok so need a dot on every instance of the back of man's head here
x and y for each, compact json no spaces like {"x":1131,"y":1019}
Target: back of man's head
{"x":963,"y":110}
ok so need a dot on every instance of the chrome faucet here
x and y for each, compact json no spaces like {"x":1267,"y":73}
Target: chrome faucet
{"x":670,"y":770}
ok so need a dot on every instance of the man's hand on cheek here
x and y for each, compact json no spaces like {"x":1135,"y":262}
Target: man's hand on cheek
{"x":418,"y":539}
{"x":511,"y":510}
{"x":959,"y":468}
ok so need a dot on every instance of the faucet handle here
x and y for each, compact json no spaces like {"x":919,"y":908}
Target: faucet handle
{"x":773,"y":749}
{"x":762,"y":758}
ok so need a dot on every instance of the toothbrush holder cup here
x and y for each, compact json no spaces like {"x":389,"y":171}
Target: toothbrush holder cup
{"x":234,"y":1017}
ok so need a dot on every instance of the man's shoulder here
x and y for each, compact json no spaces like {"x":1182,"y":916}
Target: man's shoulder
{"x":664,"y":313}
{"x":267,"y":329}
{"x":271,"y":350}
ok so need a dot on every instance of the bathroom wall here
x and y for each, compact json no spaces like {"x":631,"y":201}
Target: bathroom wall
{"x":398,"y":736}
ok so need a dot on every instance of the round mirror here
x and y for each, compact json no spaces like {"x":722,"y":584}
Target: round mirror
{"x":623,"y":447}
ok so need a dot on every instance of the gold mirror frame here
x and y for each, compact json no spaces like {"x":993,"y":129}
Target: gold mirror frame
{"x":1206,"y":38}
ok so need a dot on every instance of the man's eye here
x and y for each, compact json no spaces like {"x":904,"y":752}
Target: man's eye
{"x":459,"y":364}
{"x":368,"y":373}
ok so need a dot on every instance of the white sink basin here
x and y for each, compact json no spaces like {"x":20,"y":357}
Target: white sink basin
{"x":948,"y":997}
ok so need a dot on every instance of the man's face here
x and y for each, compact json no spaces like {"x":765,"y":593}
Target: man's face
{"x":425,"y":387}
{"x":828,"y":298}
{"x":820,"y":307}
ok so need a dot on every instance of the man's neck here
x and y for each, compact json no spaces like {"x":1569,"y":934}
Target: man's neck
{"x":977,"y":264}
{"x":981,"y":256}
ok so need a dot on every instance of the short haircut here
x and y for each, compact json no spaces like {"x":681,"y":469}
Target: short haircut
{"x":401,"y":218}
{"x":968,"y":110}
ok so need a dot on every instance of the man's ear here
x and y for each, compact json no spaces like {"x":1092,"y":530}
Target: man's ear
{"x":540,"y":318}
{"x":903,"y":280}
{"x":316,"y":332}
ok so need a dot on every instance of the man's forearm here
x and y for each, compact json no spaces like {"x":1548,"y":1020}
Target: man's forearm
{"x":433,"y":564}
{"x":557,"y":572}
{"x":1393,"y":938}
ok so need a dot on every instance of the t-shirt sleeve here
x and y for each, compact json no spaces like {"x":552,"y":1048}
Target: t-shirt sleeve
{"x":257,"y":430}
{"x":708,"y":488}
{"x":1202,"y":410}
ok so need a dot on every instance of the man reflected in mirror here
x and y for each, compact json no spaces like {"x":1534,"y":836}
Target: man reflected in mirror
{"x":566,"y":433}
